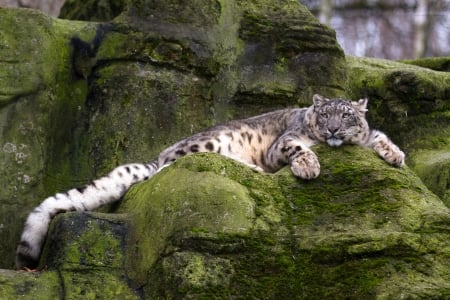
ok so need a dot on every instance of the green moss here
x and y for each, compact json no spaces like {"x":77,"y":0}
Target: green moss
{"x":415,"y":87}
{"x":433,"y":166}
{"x":39,"y":286}
{"x":197,"y":13}
{"x":281,"y":70}
{"x":433,"y":63}
{"x":197,"y":273}
{"x":75,"y":245}
{"x":95,"y":284}
{"x":411,"y":104}
{"x":87,"y":284}
{"x":118,"y":116}
{"x":191,"y":201}
{"x":38,"y":113}
{"x":345,"y":233}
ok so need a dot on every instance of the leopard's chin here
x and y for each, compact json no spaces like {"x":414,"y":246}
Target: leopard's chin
{"x":334,"y":142}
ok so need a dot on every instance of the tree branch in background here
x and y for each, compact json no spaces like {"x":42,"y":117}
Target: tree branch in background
{"x":326,"y":11}
{"x":421,"y":25}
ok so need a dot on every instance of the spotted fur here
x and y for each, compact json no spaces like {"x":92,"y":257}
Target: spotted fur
{"x":266,"y":143}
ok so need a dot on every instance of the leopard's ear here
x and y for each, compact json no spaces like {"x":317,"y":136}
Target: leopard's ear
{"x":319,"y":100}
{"x":361,"y":105}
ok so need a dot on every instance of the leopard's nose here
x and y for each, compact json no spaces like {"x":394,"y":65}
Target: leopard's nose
{"x":333,"y":129}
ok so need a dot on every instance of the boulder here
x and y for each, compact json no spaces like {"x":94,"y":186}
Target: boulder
{"x":208,"y":227}
{"x":361,"y":230}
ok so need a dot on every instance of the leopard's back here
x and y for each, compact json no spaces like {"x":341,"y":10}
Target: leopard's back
{"x":246,"y":141}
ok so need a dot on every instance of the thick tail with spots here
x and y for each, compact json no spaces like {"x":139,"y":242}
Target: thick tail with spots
{"x":91,"y":196}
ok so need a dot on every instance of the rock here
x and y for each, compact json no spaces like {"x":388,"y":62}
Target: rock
{"x":433,"y":63}
{"x":87,"y":252}
{"x":361,"y":230}
{"x":406,"y":101}
{"x":79,"y":98}
{"x":84,"y":258}
{"x":15,"y":285}
{"x":433,"y":166}
{"x":36,"y":112}
{"x":412,"y":105}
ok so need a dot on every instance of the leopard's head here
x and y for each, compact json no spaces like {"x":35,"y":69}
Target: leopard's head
{"x":338,"y":121}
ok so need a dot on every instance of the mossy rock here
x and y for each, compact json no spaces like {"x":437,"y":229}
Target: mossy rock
{"x":433,"y":166}
{"x":361,"y":230}
{"x":36,"y":112}
{"x":411,"y":104}
{"x":210,"y":228}
{"x":83,"y":258}
{"x":434,"y":63}
{"x":79,"y":98}
{"x":15,"y":285}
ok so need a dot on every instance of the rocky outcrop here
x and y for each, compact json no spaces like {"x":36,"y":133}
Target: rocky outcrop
{"x":79,"y":98}
{"x":40,"y":107}
{"x":362,"y":230}
{"x":412,"y":105}
{"x":208,"y":227}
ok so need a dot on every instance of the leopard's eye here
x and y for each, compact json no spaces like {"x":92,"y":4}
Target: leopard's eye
{"x":345,"y":115}
{"x":324,"y":115}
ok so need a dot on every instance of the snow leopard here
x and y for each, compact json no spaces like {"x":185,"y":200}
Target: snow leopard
{"x":265,"y":143}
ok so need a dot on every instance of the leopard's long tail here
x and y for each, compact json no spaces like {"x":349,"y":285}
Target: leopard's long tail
{"x":99,"y":192}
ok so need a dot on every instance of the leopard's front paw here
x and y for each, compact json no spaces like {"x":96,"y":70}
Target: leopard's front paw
{"x":385,"y":148}
{"x":391,"y":153}
{"x":394,"y":156}
{"x":305,"y":165}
